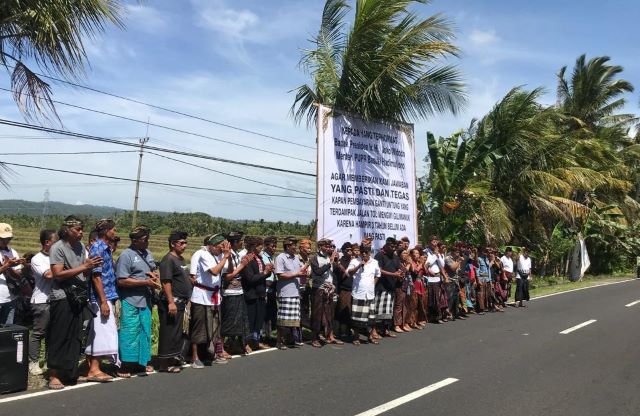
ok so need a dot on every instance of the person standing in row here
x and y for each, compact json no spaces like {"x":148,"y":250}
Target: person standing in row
{"x":391,"y":270}
{"x":344,"y":283}
{"x":206,"y":297}
{"x":322,"y":293}
{"x":137,"y":279}
{"x":10,"y":273}
{"x":507,"y":272}
{"x":254,"y":285}
{"x":288,"y":271}
{"x":523,"y":275}
{"x":271,"y":308}
{"x":41,"y":270}
{"x":235,"y":322}
{"x":305,"y":282}
{"x":419,"y":318}
{"x":434,"y":282}
{"x":176,"y":292}
{"x":103,"y":338}
{"x":366,"y":273}
{"x":69,"y":316}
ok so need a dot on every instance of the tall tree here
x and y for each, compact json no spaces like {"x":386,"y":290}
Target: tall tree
{"x":48,"y":35}
{"x":385,"y":66}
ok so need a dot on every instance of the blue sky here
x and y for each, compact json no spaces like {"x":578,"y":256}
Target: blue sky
{"x":236,"y":61}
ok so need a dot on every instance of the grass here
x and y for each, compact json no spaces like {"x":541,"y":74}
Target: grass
{"x":547,"y":286}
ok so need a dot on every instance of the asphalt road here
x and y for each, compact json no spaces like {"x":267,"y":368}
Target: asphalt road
{"x":512,"y":363}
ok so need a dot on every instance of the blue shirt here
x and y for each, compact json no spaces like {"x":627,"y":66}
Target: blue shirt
{"x":484,"y":271}
{"x":108,"y":275}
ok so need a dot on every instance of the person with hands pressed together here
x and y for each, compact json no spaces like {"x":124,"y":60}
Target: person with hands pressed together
{"x":434,"y":282}
{"x":235,"y":322}
{"x":344,"y":286}
{"x":137,"y":279}
{"x":69,"y":316}
{"x":366,"y":273}
{"x":206,"y":298}
{"x":176,"y":291}
{"x":322,"y":292}
{"x":288,"y":271}
{"x":523,"y":275}
{"x":271,"y":310}
{"x":254,"y":276}
{"x":103,"y":338}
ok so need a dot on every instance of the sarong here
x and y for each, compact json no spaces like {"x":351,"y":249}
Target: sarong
{"x":321,"y":311}
{"x":235,"y":322}
{"x":384,"y":306}
{"x":256,"y":309}
{"x":134,"y":337}
{"x":434,"y":296}
{"x":288,"y":312}
{"x":506,"y":284}
{"x":453,"y":296}
{"x":170,"y":342}
{"x":482,"y":295}
{"x":412,"y":307}
{"x":103,"y":339}
{"x":204,"y":326}
{"x":522,"y":289}
{"x":421,"y":307}
{"x":343,"y":308}
{"x":501,"y":293}
{"x":400,"y":309}
{"x":362,"y":313}
{"x":65,"y":336}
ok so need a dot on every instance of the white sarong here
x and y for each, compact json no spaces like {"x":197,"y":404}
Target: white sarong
{"x":103,"y":340}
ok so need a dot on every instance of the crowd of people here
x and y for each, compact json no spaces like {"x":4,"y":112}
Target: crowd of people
{"x":235,"y":295}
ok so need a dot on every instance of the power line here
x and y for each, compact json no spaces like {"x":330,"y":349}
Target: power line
{"x":153,"y":182}
{"x":157,"y":149}
{"x":174,"y":111}
{"x":204,"y":136}
{"x":67,"y":153}
{"x":229,"y":174}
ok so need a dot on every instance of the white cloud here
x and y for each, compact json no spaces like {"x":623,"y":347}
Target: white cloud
{"x":144,"y":18}
{"x":228,"y":21}
{"x":483,"y":37}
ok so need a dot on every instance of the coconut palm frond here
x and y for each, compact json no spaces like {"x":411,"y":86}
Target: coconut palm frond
{"x":572,"y":209}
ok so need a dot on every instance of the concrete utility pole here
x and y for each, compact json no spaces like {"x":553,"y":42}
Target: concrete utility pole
{"x":135,"y":199}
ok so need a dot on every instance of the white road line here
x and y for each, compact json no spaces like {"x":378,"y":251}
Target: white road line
{"x":583,"y":288}
{"x":45,"y":392}
{"x":628,"y":305}
{"x":574,"y":328}
{"x":407,"y":398}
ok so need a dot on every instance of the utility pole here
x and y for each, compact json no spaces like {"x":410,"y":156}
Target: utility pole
{"x":135,"y":199}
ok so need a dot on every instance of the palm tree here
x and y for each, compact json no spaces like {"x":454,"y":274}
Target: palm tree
{"x":384,"y":66}
{"x":592,"y":96}
{"x":49,"y":35}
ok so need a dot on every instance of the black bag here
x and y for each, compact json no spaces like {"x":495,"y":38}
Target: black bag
{"x":154,"y":294}
{"x":77,"y":296}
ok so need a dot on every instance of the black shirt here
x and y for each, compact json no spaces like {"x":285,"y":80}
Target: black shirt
{"x":344,"y":279}
{"x":254,"y":283}
{"x":173,"y":270}
{"x":390,"y":264}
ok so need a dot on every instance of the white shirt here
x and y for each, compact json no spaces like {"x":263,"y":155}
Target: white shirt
{"x":433,"y":266}
{"x":39,"y":266}
{"x":364,"y":285}
{"x":207,"y":261}
{"x":524,"y":266}
{"x":5,"y":296}
{"x":507,"y":263}
{"x":193,"y":266}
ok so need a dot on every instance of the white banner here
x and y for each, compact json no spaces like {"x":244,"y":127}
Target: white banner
{"x":366,"y":180}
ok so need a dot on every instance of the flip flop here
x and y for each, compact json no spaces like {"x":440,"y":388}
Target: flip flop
{"x":356,"y":342}
{"x":99,"y":378}
{"x":173,"y":369}
{"x":55,"y":386}
{"x":316,"y":344}
{"x":373,"y":341}
{"x":336,"y":342}
{"x":123,"y":374}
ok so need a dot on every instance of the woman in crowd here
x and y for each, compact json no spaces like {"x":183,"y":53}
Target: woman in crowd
{"x":417,"y":273}
{"x":254,"y":277}
{"x":344,"y":285}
